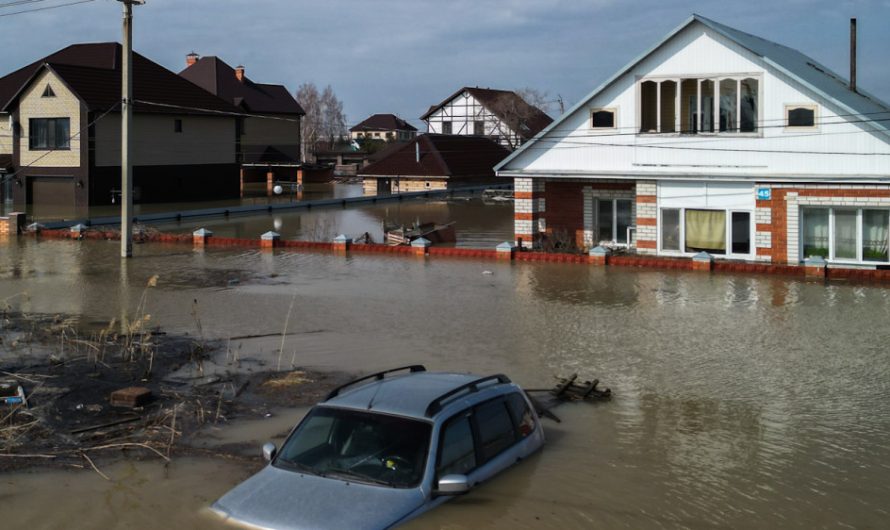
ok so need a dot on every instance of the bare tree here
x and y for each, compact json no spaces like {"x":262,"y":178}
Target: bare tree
{"x":310,"y":125}
{"x":523,"y":115}
{"x":324,"y":119}
{"x":333,"y":119}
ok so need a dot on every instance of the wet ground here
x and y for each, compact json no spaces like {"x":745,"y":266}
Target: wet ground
{"x":739,"y":401}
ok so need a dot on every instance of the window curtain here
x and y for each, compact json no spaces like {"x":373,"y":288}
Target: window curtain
{"x":705,"y":230}
{"x":875,"y":235}
{"x":815,"y":233}
{"x":845,"y":234}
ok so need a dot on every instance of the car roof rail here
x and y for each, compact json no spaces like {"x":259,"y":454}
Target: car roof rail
{"x":473,"y":386}
{"x":378,"y":376}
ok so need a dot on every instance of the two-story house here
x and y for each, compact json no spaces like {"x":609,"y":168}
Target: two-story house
{"x":268,"y":131}
{"x":386,"y":127}
{"x":501,"y":114}
{"x":64,"y":115}
{"x":714,"y":140}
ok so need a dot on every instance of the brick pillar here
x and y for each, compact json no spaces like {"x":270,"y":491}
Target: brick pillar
{"x":242,"y":182}
{"x":505,"y":251}
{"x":16,"y":223}
{"x":815,"y":267}
{"x":342,"y":243}
{"x":647,"y":217}
{"x":598,"y":255}
{"x":420,"y":246}
{"x":200,"y":237}
{"x":703,"y":262}
{"x":270,"y":182}
{"x":269,"y":240}
{"x":528,"y":210}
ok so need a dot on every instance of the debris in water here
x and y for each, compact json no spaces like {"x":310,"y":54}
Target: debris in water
{"x":487,"y":272}
{"x":12,"y":393}
{"x":130,"y":397}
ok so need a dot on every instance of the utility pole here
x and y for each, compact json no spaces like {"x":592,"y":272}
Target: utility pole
{"x":126,"y":123}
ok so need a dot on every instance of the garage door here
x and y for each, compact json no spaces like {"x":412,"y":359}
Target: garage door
{"x":51,"y":197}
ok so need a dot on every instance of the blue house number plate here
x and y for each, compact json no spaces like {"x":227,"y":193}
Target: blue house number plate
{"x":764,"y":194}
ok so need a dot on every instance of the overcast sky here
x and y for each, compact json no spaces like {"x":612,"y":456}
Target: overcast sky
{"x":401,"y":56}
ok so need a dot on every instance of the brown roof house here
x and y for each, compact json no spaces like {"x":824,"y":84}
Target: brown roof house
{"x":434,"y":162}
{"x":64,"y":134}
{"x":269,"y":134}
{"x":383,"y":127}
{"x":501,"y":114}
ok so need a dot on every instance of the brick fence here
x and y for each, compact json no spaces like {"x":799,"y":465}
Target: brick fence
{"x":616,"y":260}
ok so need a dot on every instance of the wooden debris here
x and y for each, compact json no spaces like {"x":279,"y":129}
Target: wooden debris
{"x":130,"y":397}
{"x":567,"y":389}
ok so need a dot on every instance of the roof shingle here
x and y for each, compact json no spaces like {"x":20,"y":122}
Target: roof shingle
{"x":441,"y":155}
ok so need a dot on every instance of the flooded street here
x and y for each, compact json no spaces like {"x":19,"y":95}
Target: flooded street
{"x":739,"y":401}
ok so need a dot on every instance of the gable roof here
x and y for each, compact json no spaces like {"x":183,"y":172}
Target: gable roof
{"x":93,"y":73}
{"x":506,"y":105}
{"x":794,"y":64}
{"x":441,"y":155}
{"x":383,"y":122}
{"x":215,"y":76}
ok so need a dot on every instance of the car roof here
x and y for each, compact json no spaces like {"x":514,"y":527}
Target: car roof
{"x":408,"y":394}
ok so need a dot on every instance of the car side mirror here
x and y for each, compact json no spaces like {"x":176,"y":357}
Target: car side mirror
{"x":269,"y":451}
{"x":453,"y":485}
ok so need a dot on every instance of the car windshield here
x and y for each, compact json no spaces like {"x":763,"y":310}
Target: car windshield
{"x":358,"y":446}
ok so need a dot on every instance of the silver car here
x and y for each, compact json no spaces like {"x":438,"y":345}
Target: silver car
{"x":386,"y":448}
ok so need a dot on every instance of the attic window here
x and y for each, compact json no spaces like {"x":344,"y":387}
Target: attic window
{"x":48,"y":92}
{"x":602,"y":118}
{"x":800,"y":115}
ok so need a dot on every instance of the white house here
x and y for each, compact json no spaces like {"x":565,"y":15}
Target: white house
{"x":719,"y":141}
{"x":501,"y":114}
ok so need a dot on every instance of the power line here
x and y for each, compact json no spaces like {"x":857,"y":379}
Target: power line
{"x":20,"y":2}
{"x":45,"y":8}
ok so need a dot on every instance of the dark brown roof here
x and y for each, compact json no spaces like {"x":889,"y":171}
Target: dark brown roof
{"x":215,"y":76}
{"x":526,"y":120}
{"x":93,"y":73}
{"x":441,"y":155}
{"x":383,"y":122}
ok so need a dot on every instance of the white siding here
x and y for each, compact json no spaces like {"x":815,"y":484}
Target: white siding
{"x":463,"y":111}
{"x":698,"y":52}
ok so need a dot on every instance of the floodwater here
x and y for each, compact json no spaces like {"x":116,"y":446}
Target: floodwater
{"x":739,"y":401}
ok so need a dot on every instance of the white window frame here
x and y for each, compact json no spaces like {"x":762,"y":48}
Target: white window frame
{"x":728,"y":254}
{"x":613,"y":110}
{"x":716,"y":79}
{"x":797,"y":128}
{"x":614,"y":201}
{"x":832,"y":258}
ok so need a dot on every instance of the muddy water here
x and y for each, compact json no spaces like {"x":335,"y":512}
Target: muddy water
{"x":740,"y":401}
{"x":477,"y":223}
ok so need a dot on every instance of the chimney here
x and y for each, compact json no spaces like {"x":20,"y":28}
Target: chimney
{"x":191,"y":59}
{"x":853,"y":54}
{"x":239,"y":73}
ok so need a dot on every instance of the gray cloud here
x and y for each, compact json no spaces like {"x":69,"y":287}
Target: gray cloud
{"x":403,"y":55}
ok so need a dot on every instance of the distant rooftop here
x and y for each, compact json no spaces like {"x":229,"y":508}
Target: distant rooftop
{"x":441,"y":155}
{"x":383,"y":122}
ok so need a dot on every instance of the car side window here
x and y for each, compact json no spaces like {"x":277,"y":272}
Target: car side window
{"x":522,"y":414}
{"x":496,"y":431}
{"x":457,"y":452}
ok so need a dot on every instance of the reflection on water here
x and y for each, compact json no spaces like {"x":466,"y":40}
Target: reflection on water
{"x":739,"y":400}
{"x":477,"y":224}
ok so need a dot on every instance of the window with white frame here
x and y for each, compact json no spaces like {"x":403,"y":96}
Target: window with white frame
{"x":845,"y":234}
{"x":692,"y":230}
{"x":603,"y":118}
{"x":614,"y":217}
{"x":725,"y":104}
{"x":800,"y":116}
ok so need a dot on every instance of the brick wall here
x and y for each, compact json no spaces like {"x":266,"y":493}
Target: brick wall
{"x":646,"y":217}
{"x":777,"y":231}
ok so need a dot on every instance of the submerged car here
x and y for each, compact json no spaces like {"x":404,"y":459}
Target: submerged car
{"x":386,"y":448}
